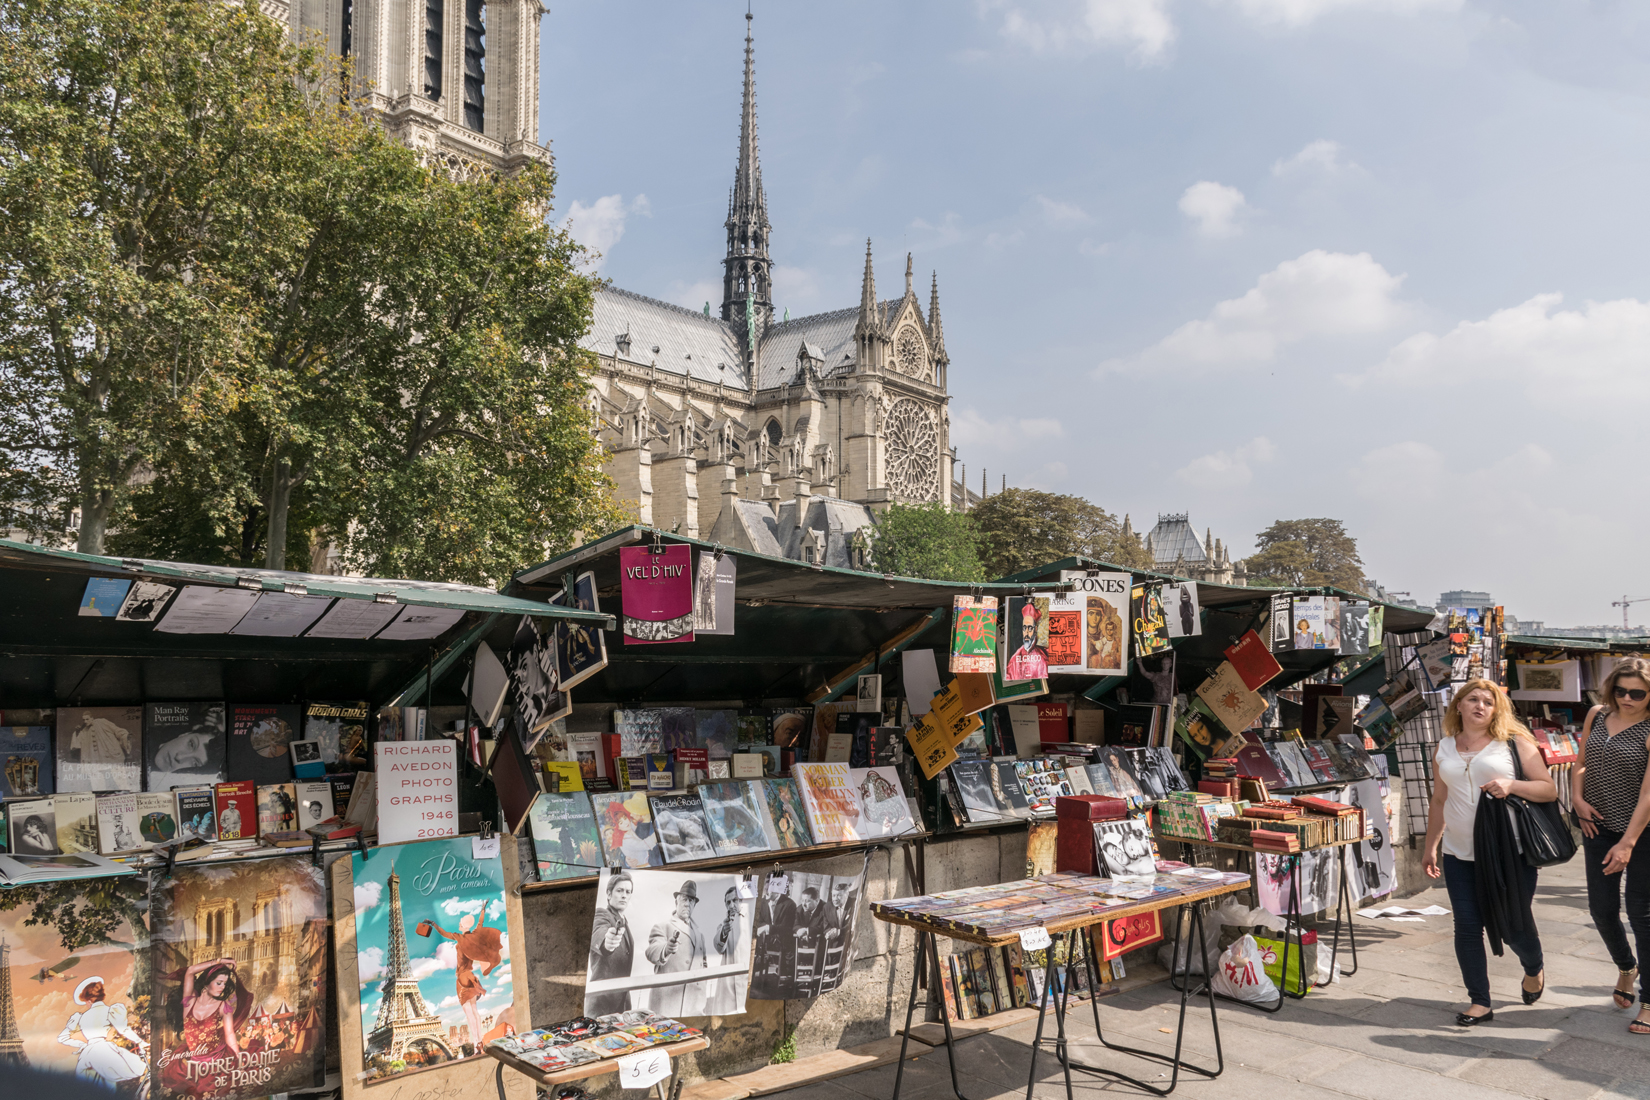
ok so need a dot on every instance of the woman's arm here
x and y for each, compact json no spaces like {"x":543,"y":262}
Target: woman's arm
{"x":1435,"y":822}
{"x":1616,"y":858}
{"x":1583,"y":809}
{"x":67,"y":1035}
{"x":1537,"y":784}
{"x":229,"y":1029}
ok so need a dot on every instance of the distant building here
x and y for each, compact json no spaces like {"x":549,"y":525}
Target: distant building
{"x":1468,"y":601}
{"x":1174,"y":549}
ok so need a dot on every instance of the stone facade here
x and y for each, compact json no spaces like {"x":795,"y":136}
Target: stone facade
{"x":1174,"y":548}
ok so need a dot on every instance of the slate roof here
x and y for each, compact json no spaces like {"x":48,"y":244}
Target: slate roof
{"x":689,"y":343}
{"x":1173,"y":537}
{"x":837,"y":519}
{"x":832,"y":333}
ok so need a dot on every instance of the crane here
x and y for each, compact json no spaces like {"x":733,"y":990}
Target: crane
{"x":1624,"y":603}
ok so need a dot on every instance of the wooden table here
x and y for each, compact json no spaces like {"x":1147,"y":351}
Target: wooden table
{"x":1292,"y":919}
{"x":1190,"y":925}
{"x":586,"y":1070}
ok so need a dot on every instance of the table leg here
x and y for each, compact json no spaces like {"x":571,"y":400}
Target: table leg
{"x":1058,"y":998}
{"x":932,"y":953}
{"x":1343,"y":907}
{"x":1191,"y":923}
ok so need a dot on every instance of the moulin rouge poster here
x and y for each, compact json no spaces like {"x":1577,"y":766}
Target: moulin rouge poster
{"x":240,"y":979}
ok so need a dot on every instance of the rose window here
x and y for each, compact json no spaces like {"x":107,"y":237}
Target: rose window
{"x":913,"y":451}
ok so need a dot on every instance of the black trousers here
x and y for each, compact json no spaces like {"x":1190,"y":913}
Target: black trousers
{"x":1604,"y":897}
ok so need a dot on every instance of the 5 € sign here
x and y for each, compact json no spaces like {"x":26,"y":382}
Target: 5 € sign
{"x":639,"y":1070}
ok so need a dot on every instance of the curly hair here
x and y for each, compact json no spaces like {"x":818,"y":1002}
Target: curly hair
{"x":1504,"y":724}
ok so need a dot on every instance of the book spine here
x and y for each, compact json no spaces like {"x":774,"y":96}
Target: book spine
{"x":965,"y":986}
{"x":948,"y":989}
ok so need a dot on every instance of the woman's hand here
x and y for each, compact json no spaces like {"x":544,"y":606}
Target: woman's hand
{"x":1615,"y":860}
{"x":1586,"y":815}
{"x":1429,"y":863}
{"x":1498,"y":788}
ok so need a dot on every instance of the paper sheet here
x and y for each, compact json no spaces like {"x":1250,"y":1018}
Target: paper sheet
{"x":354,"y":619}
{"x":281,"y":615}
{"x":421,"y":622}
{"x":921,"y":677}
{"x":203,"y":609}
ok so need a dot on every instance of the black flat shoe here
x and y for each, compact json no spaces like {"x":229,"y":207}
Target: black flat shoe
{"x":1531,"y":998}
{"x":1463,"y":1020}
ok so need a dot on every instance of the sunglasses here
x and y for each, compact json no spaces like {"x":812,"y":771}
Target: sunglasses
{"x":1635,"y":694}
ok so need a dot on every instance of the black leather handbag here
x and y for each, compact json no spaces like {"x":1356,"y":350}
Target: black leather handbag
{"x":1543,"y":837}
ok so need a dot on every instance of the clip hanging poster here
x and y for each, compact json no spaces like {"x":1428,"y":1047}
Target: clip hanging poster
{"x":1151,"y":631}
{"x":974,"y":634}
{"x":240,"y":972}
{"x":1089,"y":626}
{"x":656,"y":590}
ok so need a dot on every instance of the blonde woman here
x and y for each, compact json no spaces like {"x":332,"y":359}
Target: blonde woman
{"x":1610,"y":788}
{"x":1475,"y":759}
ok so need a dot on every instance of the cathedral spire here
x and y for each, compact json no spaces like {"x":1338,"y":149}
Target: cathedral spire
{"x":747,"y":283}
{"x":934,"y":329}
{"x":908,"y":274}
{"x":869,"y":323}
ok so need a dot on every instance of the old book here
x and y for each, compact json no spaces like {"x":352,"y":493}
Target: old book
{"x":1254,"y":663}
{"x":735,"y":817}
{"x":157,"y":816}
{"x":314,"y":799}
{"x":117,"y":824}
{"x":237,"y":810}
{"x":341,"y":728}
{"x":76,"y":821}
{"x":625,"y":825}
{"x":277,"y":808}
{"x":786,"y":824}
{"x":829,"y":800}
{"x":259,"y":737}
{"x":1230,"y":699}
{"x":197,"y":812}
{"x":99,"y":749}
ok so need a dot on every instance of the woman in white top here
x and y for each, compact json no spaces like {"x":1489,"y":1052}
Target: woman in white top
{"x":92,"y":1032}
{"x":1476,"y":759}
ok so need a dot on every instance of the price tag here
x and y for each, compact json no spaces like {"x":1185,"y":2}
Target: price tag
{"x":639,"y":1070}
{"x":484,"y":849}
{"x":1034,"y":939}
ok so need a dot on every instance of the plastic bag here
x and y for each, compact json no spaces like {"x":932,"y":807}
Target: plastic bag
{"x":1234,"y":915}
{"x":1175,"y":962}
{"x":1241,"y":974}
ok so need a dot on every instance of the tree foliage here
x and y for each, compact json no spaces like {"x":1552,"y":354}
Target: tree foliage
{"x":1306,"y":553}
{"x":91,"y":913}
{"x":1024,"y":528}
{"x":929,"y":541}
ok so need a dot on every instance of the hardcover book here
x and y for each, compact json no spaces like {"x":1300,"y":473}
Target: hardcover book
{"x":828,"y":797}
{"x":581,"y":648}
{"x":733,"y":811}
{"x":237,"y":810}
{"x":185,"y":745}
{"x":342,"y":730}
{"x":314,"y":798}
{"x":1151,"y":630}
{"x":787,"y":816}
{"x":625,"y":825}
{"x":25,"y":761}
{"x":565,"y":841}
{"x":679,"y":820}
{"x":972,"y":780}
{"x":1253,"y":662}
{"x":259,"y":737}
{"x":1230,"y":699}
{"x":277,"y":808}
{"x":1008,"y":782}
{"x":99,"y":749}
{"x":883,"y":810}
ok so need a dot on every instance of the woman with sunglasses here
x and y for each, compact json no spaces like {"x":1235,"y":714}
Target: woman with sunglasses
{"x":1610,"y":789}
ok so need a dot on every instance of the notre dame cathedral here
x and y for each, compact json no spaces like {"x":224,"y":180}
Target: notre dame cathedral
{"x":781,"y":436}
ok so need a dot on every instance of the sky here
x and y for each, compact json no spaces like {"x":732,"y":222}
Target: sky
{"x":1374,"y":260}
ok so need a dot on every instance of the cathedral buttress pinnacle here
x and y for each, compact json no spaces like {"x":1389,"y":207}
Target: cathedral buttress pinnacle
{"x":747,"y":277}
{"x":934,"y":329}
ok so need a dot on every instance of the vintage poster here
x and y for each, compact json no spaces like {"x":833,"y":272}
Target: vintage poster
{"x":713,"y":593}
{"x":973,"y":634}
{"x":185,"y":745}
{"x":1151,"y":630}
{"x":99,"y":748}
{"x":433,"y":953}
{"x":805,"y":924}
{"x":534,"y":689}
{"x":1104,"y":598}
{"x":581,"y":648}
{"x":1181,"y":611}
{"x":1025,"y":639}
{"x":675,"y":943}
{"x":656,"y":593}
{"x":74,"y":960}
{"x":240,"y":973}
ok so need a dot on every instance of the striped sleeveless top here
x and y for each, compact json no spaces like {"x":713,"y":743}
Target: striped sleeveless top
{"x":1615,"y":771}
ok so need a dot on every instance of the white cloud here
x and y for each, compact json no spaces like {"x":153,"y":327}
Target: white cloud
{"x":369,"y":964}
{"x":457,"y":907}
{"x":794,"y":288}
{"x":697,"y":294}
{"x":947,"y":231}
{"x":1228,"y":469}
{"x":600,"y":225}
{"x":1298,"y":13}
{"x":1319,"y":294}
{"x":1215,"y":207}
{"x":445,"y":958}
{"x":1588,"y":355}
{"x":969,"y":428}
{"x":1062,"y":26}
{"x":1062,"y":215}
{"x":1322,"y":156}
{"x":367,"y":895}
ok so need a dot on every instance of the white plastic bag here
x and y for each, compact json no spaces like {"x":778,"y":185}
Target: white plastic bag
{"x":1241,"y":974}
{"x":1176,"y":963}
{"x":1233,"y":914}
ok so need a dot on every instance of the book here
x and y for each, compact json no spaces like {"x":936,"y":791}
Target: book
{"x":277,"y":808}
{"x":735,"y":816}
{"x":184,"y":745}
{"x":790,"y":727}
{"x":157,"y":816}
{"x":1253,"y":760}
{"x":974,"y":634}
{"x":25,"y":761}
{"x":563,"y":776}
{"x":1252,"y":661}
{"x":76,"y":816}
{"x":341,"y":728}
{"x":237,"y":810}
{"x":1052,"y":723}
{"x":20,"y":869}
{"x":306,"y":759}
{"x":314,"y":799}
{"x":659,"y":774}
{"x":751,"y":728}
{"x":581,"y":648}
{"x":99,"y":749}
{"x":1119,"y":773}
{"x":488,"y":686}
{"x":1151,"y":629}
{"x":829,"y":801}
{"x":1307,"y":622}
{"x":197,"y":812}
{"x":1008,"y":782}
{"x":692,"y":767}
{"x":343,"y":786}
{"x":1025,"y":729}
{"x":1230,"y":700}
{"x":1077,"y":778}
{"x":258,"y":740}
{"x":625,"y":825}
{"x":362,"y":809}
{"x":333,"y":828}
{"x":749,"y":765}
{"x":883,"y":808}
{"x":787,"y":820}
{"x":565,"y":841}
{"x":286,"y":838}
{"x":31,"y":827}
{"x":117,"y":824}
{"x":717,"y":732}
{"x":838,"y":748}
{"x":679,"y":820}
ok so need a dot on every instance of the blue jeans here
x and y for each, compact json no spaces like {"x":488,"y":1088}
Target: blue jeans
{"x":1604,"y":893}
{"x":1469,"y":929}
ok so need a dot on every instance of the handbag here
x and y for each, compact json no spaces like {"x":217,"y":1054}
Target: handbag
{"x":1544,"y":838}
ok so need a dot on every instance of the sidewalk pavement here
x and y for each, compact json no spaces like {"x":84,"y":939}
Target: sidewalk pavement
{"x":1386,"y":1032}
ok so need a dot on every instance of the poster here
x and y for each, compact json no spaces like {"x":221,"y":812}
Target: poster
{"x":1025,"y":638}
{"x":185,"y":745}
{"x":78,"y":1005}
{"x":1092,"y":622}
{"x":1317,"y":882}
{"x":433,"y":954}
{"x":1151,"y":631}
{"x":240,"y":973}
{"x":713,"y":589}
{"x":973,"y":634}
{"x":1181,"y":611}
{"x":99,"y":748}
{"x":417,"y":789}
{"x":673,"y":943}
{"x":534,"y":689}
{"x":581,"y":648}
{"x":806,"y":922}
{"x":656,"y":591}
{"x":1370,"y":864}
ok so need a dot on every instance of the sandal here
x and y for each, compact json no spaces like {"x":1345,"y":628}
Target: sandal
{"x":1624,"y":997}
{"x":1640,"y":1026}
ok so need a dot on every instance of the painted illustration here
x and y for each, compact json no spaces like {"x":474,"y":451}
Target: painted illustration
{"x":1104,"y":641}
{"x":974,"y":634}
{"x":434,"y":954}
{"x":1025,"y":649}
{"x":240,"y":980}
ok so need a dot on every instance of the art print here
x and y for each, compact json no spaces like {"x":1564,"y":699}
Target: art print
{"x":1180,"y":610}
{"x":581,"y":648}
{"x":75,"y":955}
{"x":240,"y":973}
{"x":100,"y":748}
{"x":1104,"y":600}
{"x":625,"y":826}
{"x":734,"y":813}
{"x":669,"y":942}
{"x":433,"y":954}
{"x":1065,"y":633}
{"x":1025,"y":638}
{"x":1274,"y":874}
{"x":806,"y":924}
{"x":1125,"y":849}
{"x":1371,"y":869}
{"x":973,"y":634}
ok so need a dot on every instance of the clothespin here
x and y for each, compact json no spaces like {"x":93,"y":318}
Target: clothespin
{"x":315,"y":850}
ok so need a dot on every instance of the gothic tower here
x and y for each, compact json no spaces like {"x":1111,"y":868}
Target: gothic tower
{"x":747,"y":272}
{"x":456,"y":79}
{"x":404,"y":1021}
{"x":11,"y":1040}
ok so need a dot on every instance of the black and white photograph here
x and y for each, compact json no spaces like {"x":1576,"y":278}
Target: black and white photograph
{"x":679,"y":822}
{"x":1371,"y":870}
{"x":1354,"y":628}
{"x":1159,"y":775}
{"x":581,"y":648}
{"x":185,"y":745}
{"x":1180,"y":610}
{"x":33,"y":828}
{"x":805,"y":932}
{"x":1289,"y":760}
{"x":537,"y":699}
{"x":1119,"y":776}
{"x":143,"y":604}
{"x":1317,"y":881}
{"x":973,"y":780}
{"x":669,"y":942}
{"x":99,"y":748}
{"x":870,"y":694}
{"x":1125,"y":849}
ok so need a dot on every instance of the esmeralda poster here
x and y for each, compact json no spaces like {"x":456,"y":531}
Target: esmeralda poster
{"x":433,"y":954}
{"x":240,"y":980}
{"x":76,"y":957}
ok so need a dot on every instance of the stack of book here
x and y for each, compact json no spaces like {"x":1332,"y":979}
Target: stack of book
{"x":1267,"y":840}
{"x":1220,"y":767}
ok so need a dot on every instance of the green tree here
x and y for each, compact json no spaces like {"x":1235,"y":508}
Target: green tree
{"x":92,"y":913}
{"x":929,"y":541}
{"x":1025,"y":528}
{"x":1306,"y":553}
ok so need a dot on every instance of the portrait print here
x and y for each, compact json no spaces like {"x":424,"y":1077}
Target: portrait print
{"x":805,"y":924}
{"x":1125,"y":849}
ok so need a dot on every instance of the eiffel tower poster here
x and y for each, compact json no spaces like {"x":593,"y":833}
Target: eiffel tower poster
{"x":431,"y":954}
{"x":11,"y":1040}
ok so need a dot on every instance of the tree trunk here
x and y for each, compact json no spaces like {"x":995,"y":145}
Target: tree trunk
{"x":280,"y":502}
{"x":94,"y":518}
